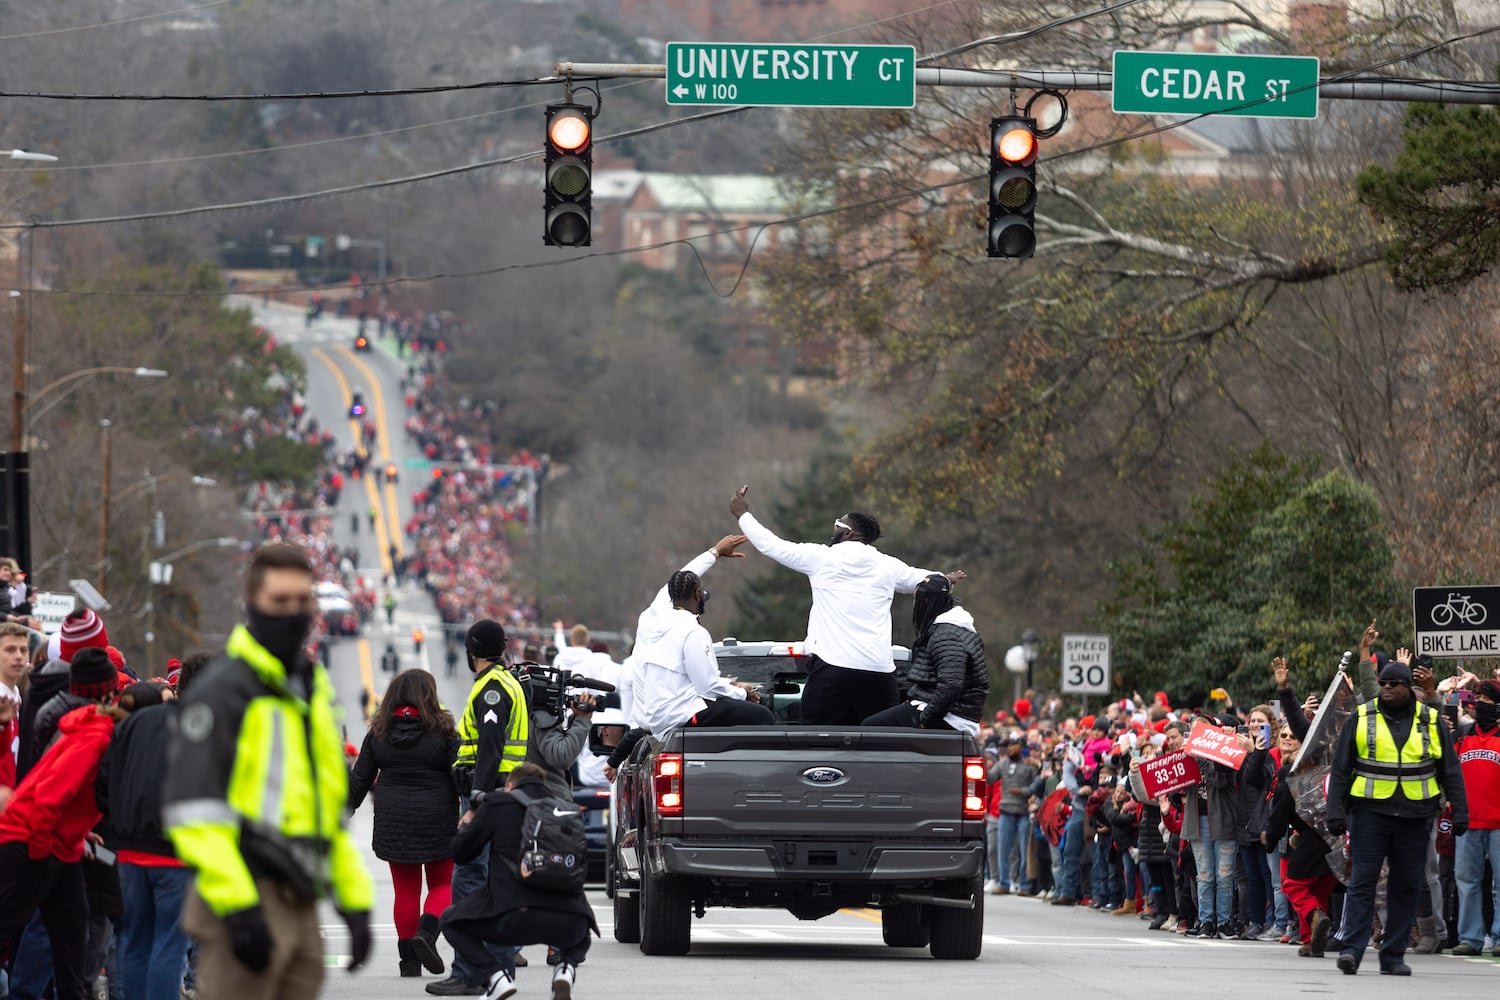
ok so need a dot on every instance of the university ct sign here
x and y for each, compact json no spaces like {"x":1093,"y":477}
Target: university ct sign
{"x":792,"y":76}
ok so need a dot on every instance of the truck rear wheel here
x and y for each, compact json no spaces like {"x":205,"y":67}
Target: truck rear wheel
{"x":666,"y":915}
{"x":627,"y":917}
{"x":904,"y":925}
{"x":959,"y":933}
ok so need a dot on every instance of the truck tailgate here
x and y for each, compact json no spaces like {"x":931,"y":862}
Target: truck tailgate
{"x":807,"y":783}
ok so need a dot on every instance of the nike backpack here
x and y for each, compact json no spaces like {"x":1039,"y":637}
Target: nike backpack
{"x":554,"y":854}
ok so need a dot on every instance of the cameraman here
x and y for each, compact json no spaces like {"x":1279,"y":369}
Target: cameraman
{"x":555,"y":741}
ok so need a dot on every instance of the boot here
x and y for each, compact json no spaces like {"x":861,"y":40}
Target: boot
{"x":1126,"y":909}
{"x":1428,"y":943}
{"x":407,"y":961}
{"x":424,"y":945}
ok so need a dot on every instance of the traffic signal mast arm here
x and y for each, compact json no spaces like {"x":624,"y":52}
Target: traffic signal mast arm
{"x":1336,"y":89}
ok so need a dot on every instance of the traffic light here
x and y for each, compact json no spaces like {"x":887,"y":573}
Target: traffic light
{"x":1013,"y":147}
{"x":570,"y":175}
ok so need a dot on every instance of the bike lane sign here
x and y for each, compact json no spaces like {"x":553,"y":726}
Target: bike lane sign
{"x":1457,"y":622}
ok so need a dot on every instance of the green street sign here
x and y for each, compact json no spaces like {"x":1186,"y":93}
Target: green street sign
{"x":792,"y":76}
{"x":1195,"y":83}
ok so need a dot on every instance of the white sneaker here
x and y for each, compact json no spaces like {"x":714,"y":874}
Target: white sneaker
{"x":991,"y":886}
{"x":562,"y":981}
{"x":502,"y":985}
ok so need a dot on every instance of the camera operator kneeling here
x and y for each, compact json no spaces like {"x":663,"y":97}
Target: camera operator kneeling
{"x":948,"y":679}
{"x":509,"y":911}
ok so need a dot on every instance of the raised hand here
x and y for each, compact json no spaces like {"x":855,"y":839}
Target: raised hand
{"x":1367,"y":641}
{"x":726,"y":546}
{"x":1281,"y":673}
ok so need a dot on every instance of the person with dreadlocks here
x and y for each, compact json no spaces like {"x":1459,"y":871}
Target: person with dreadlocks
{"x":948,"y":679}
{"x":679,"y":679}
{"x":850,"y":673}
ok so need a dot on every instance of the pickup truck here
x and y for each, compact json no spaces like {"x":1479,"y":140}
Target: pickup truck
{"x":806,"y":819}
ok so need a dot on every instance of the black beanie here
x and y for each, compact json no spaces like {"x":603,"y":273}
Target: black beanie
{"x":1394,"y":670}
{"x":485,"y":640}
{"x":91,"y":675}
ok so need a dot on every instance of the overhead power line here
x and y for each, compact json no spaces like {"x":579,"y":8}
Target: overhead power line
{"x":110,"y":24}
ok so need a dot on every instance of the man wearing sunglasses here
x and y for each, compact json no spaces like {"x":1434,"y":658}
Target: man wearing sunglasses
{"x":1393,"y":764}
{"x":850,"y":674}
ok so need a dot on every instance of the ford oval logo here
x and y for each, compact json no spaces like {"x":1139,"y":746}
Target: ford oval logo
{"x":823,"y":775}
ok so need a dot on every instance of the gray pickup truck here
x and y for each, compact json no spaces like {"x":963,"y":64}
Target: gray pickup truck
{"x":805,"y":819}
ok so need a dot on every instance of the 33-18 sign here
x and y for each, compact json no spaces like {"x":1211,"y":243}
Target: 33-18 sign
{"x":1085,"y":664}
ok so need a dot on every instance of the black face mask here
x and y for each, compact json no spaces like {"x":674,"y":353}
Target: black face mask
{"x":282,"y":635}
{"x":1486,"y":716}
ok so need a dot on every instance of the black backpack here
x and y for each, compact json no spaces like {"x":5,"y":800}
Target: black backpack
{"x":554,"y":854}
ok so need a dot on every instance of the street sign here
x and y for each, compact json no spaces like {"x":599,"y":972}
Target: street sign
{"x":792,"y":76}
{"x":51,"y":609}
{"x":1456,"y":622}
{"x":1085,"y":664}
{"x":1195,"y":83}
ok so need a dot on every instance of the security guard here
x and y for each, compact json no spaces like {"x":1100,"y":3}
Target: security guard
{"x":255,"y":800}
{"x":493,"y":733}
{"x":1393,"y":764}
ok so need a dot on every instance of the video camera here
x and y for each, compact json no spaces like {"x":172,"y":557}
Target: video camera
{"x":547,"y":688}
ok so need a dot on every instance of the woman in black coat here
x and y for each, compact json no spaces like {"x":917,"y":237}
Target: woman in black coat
{"x":1152,"y":851}
{"x":407,"y":760}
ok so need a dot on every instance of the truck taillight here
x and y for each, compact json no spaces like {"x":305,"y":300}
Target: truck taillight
{"x":667,"y":784}
{"x":975,"y":787}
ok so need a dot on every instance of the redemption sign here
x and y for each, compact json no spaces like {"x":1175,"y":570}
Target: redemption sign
{"x":1212,"y":743}
{"x":792,"y":76}
{"x":1200,"y":83}
{"x":1167,"y":773}
{"x":1457,"y":621}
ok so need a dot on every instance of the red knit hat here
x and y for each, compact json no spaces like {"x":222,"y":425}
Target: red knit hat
{"x":1087,"y":722}
{"x":81,"y":630}
{"x":1022,"y":708}
{"x":116,"y":657}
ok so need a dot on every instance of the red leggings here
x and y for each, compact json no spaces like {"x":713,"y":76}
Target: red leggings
{"x":1307,"y":895}
{"x":407,"y":880}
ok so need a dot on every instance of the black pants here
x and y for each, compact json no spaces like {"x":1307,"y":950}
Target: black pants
{"x":1374,"y":838}
{"x":734,"y":712}
{"x":904,"y":716}
{"x":566,"y":932}
{"x":838,"y":696}
{"x":56,"y":888}
{"x":1163,"y":888}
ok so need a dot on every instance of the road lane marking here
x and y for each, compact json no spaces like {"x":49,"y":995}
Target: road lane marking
{"x":366,"y":672}
{"x":380,"y":525}
{"x":378,"y":396}
{"x":864,"y":914}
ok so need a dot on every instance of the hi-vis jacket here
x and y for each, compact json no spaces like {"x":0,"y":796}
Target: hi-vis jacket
{"x":257,"y":787}
{"x":1399,"y":764}
{"x":493,"y":730}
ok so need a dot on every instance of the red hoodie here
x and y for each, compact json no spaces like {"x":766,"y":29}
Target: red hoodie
{"x":53,"y":809}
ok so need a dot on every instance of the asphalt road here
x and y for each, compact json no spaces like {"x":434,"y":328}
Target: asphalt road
{"x":1030,"y":947}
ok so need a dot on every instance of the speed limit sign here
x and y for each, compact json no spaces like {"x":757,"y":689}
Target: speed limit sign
{"x":1085,"y":664}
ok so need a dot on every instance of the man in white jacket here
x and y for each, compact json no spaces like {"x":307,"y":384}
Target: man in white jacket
{"x":850,"y":675}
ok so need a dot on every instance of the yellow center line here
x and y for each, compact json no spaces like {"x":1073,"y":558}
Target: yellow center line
{"x":377,"y":397}
{"x":366,"y":671}
{"x":864,"y":914}
{"x":380,"y":526}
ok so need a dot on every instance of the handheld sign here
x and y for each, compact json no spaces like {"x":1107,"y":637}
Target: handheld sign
{"x":1167,"y":773}
{"x":1212,"y":743}
{"x":51,"y":609}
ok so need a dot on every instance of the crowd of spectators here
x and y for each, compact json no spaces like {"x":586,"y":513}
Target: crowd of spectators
{"x":1248,"y":852}
{"x":470,"y":511}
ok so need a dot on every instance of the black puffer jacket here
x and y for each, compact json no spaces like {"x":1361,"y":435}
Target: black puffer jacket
{"x":416,"y":800}
{"x":947,"y":670}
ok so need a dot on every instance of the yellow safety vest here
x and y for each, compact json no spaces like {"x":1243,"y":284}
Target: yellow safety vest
{"x":1380,"y":767}
{"x":258,"y":785}
{"x":517,"y":727}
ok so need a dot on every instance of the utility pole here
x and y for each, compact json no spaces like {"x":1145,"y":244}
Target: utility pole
{"x":104,"y":513}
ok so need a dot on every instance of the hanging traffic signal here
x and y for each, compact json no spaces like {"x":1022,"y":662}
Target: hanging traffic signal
{"x":1013,"y":148}
{"x":570,"y":175}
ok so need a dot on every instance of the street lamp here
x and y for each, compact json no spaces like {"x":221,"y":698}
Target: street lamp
{"x":345,"y":242}
{"x":26,"y":154}
{"x":73,"y":380}
{"x":1030,"y":647}
{"x":159,"y":572}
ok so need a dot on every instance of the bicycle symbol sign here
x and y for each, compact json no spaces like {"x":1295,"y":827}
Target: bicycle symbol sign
{"x":1456,"y":621}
